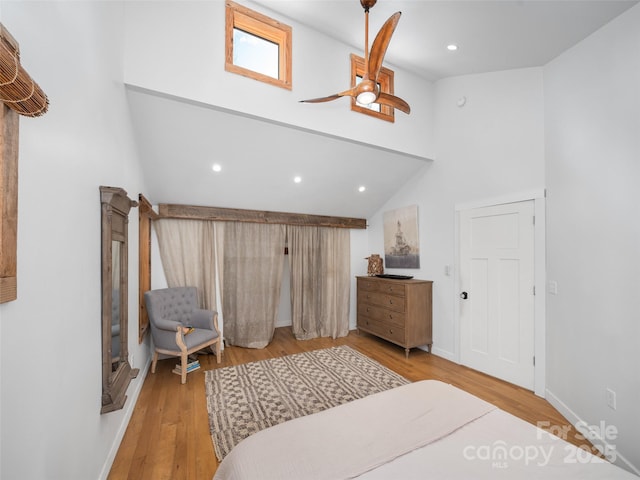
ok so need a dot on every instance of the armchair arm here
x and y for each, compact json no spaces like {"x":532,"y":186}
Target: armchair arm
{"x":180,"y":342}
{"x":201,"y":318}
{"x":164,"y":324}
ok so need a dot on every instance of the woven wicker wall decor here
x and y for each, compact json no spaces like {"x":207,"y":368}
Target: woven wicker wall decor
{"x":18,"y":90}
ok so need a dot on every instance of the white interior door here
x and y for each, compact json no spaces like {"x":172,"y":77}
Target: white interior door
{"x":497,"y":279}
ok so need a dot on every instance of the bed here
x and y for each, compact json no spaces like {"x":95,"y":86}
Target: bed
{"x":426,"y":429}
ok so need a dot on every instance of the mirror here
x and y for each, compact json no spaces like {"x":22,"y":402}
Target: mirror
{"x":115,"y":305}
{"x":116,"y":370}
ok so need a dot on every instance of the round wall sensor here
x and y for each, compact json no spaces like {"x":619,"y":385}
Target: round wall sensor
{"x":462,"y":101}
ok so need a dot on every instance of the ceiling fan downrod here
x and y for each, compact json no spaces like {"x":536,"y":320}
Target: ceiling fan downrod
{"x":367,"y":91}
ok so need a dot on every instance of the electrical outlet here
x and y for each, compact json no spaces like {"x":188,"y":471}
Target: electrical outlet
{"x":552,"y":287}
{"x":611,"y":399}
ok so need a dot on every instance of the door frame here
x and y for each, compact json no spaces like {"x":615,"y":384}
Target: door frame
{"x":539,"y":265}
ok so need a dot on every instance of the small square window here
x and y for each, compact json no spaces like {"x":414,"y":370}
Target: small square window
{"x":385,"y":82}
{"x":257,"y":46}
{"x":255,"y":53}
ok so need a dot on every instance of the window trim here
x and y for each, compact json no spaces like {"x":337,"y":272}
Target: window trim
{"x":22,"y":96}
{"x":9,"y":128}
{"x":266,"y":28}
{"x":385,"y":80}
{"x":146,"y":215}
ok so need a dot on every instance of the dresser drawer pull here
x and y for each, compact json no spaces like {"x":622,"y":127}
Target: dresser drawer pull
{"x":390,"y":302}
{"x":391,"y":331}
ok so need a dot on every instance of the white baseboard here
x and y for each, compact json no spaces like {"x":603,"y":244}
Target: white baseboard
{"x":129,"y":407}
{"x":438,"y":352}
{"x":593,"y":432}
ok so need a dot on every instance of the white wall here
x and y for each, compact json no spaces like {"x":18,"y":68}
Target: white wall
{"x":491,"y":147}
{"x":592,"y":120}
{"x":51,"y":347}
{"x":160,"y":57}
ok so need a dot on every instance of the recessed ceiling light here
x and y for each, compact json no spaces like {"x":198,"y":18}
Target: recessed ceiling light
{"x":361,"y":188}
{"x":216,"y":167}
{"x":452,"y":47}
{"x":297,"y":179}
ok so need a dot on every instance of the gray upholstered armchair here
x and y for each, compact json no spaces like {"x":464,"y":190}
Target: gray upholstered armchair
{"x":171,"y":309}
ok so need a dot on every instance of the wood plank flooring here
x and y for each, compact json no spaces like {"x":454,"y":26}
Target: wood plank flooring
{"x":168,"y":435}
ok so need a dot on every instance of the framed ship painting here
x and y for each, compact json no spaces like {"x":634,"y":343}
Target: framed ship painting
{"x":401,"y":242}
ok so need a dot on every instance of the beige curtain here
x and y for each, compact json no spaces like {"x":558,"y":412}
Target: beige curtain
{"x":252,"y":277}
{"x":187,"y":250}
{"x":320,"y":281}
{"x":219,"y":239}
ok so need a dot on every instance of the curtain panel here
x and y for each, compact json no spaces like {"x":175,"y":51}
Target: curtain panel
{"x":319,"y":258}
{"x":253,"y":266}
{"x":247,"y":260}
{"x":188,"y":252}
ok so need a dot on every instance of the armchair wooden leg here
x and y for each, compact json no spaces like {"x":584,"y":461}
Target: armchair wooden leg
{"x":218,"y":350}
{"x":154,"y":362}
{"x":183,"y":363}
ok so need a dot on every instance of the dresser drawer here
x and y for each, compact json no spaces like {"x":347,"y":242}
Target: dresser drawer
{"x":381,"y":299}
{"x":383,"y":315}
{"x":392,"y":288}
{"x":392,"y":333}
{"x":368,"y":284}
{"x":389,"y":287}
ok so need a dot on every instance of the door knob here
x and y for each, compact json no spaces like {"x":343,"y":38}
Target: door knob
{"x":464,"y":295}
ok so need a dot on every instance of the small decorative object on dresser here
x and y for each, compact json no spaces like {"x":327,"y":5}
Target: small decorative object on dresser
{"x":375,"y":265}
{"x":397,"y":310}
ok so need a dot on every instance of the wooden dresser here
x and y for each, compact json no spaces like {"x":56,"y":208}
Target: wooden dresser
{"x":397,"y":310}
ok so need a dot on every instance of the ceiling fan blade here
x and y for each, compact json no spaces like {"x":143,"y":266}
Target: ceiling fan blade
{"x":380,"y":44}
{"x":393,"y":101}
{"x":321,"y":99}
{"x":347,"y":93}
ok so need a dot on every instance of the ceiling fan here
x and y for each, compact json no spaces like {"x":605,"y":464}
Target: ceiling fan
{"x":368,"y":91}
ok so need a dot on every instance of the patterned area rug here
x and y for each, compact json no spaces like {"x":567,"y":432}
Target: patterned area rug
{"x":245,"y":399}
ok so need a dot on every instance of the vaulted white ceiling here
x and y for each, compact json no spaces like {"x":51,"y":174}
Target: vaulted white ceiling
{"x":491,"y":35}
{"x":179,"y":140}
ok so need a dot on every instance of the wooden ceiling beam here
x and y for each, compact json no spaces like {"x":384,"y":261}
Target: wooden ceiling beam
{"x":256,"y":216}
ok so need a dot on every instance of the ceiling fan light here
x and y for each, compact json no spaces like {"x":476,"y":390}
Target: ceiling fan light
{"x":366,"y":98}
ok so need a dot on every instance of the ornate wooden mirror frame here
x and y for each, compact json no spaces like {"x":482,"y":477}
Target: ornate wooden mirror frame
{"x":116,"y":370}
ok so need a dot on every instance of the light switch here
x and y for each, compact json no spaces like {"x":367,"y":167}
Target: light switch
{"x":553,"y":287}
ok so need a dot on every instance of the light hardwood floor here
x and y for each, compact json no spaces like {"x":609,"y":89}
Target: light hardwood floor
{"x":168,"y":436}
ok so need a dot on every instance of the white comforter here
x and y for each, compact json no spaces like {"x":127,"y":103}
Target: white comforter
{"x":425,"y":429}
